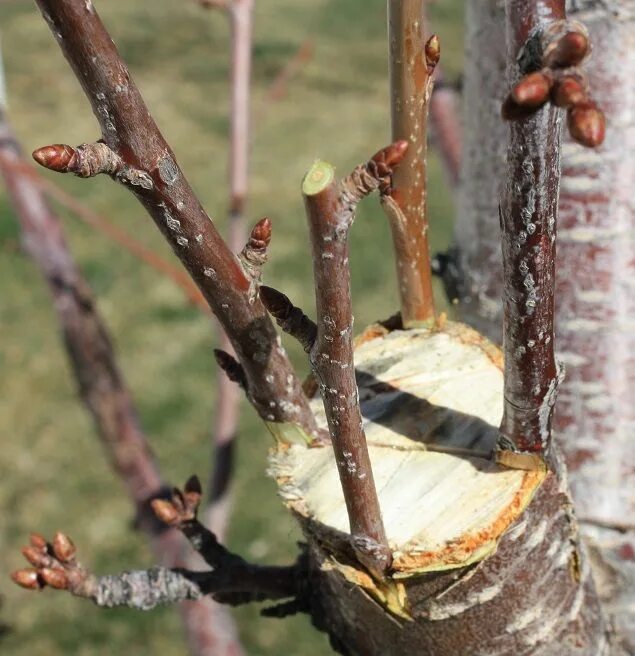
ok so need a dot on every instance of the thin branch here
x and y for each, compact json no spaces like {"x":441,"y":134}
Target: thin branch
{"x":330,"y":210}
{"x":412,"y":61}
{"x":234,"y":581}
{"x":130,"y":132}
{"x":101,"y":385}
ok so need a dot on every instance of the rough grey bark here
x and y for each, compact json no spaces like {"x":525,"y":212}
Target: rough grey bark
{"x":594,"y":421}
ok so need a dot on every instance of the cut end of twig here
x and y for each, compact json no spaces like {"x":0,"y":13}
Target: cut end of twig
{"x":586,"y":124}
{"x":57,"y":157}
{"x":419,"y":427}
{"x":433,"y":53}
{"x":318,"y":177}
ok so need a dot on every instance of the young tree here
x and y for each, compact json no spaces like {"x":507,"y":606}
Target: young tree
{"x":429,"y":527}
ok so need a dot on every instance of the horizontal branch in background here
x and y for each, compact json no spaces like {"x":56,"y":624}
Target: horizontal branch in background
{"x":149,"y":169}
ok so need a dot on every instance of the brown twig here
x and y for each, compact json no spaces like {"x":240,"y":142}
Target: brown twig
{"x":412,"y":61}
{"x":528,"y":216}
{"x":130,"y":132}
{"x":330,"y":210}
{"x":233,"y":580}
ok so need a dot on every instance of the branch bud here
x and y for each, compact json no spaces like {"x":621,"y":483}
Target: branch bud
{"x":58,"y":157}
{"x":433,"y":53}
{"x":165,"y":511}
{"x":26,"y":578}
{"x":54,"y":577}
{"x":193,"y":493}
{"x":261,"y":233}
{"x":232,"y":368}
{"x":35,"y":556}
{"x":586,"y":124}
{"x":532,"y":90}
{"x":38,"y":541}
{"x":569,"y":90}
{"x":569,"y":50}
{"x":63,"y":548}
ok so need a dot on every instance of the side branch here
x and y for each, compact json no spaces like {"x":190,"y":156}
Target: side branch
{"x":528,"y":215}
{"x":130,"y":132}
{"x":234,"y":581}
{"x":412,"y":62}
{"x":330,"y":210}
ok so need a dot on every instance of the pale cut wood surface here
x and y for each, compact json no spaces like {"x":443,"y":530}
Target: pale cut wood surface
{"x":420,"y":390}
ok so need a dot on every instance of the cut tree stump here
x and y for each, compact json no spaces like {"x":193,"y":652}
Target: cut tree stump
{"x":475,"y":562}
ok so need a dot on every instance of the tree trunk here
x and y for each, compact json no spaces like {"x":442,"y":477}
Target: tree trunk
{"x":594,"y":303}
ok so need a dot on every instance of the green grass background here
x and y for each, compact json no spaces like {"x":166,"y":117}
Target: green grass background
{"x":54,"y":475}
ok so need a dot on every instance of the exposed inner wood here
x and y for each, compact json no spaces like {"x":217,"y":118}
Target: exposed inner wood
{"x":431,"y":402}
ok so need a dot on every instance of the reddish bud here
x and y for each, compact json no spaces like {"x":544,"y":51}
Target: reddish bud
{"x":165,"y":511}
{"x":54,"y":577}
{"x":35,"y":556}
{"x":261,"y":232}
{"x":58,"y":157}
{"x":532,"y":90}
{"x":567,"y":51}
{"x":586,"y":124}
{"x":38,"y":541}
{"x":391,"y":155}
{"x":568,"y":90}
{"x":63,"y":547}
{"x":26,"y":578}
{"x":433,"y":52}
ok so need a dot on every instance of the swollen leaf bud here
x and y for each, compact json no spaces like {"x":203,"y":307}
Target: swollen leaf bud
{"x":26,"y":578}
{"x":586,"y":124}
{"x":532,"y":90}
{"x":63,"y":547}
